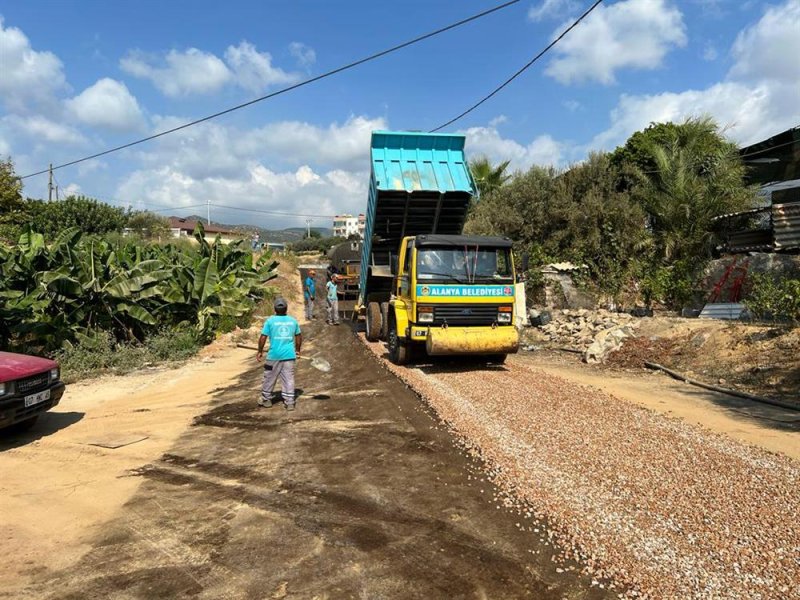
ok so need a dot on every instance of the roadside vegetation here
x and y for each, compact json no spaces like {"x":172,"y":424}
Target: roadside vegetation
{"x":315,"y":243}
{"x":639,"y":218}
{"x":101,"y":304}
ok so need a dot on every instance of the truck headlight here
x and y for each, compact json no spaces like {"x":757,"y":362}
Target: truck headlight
{"x":425,"y":317}
{"x":2,"y":389}
{"x":504,"y":317}
{"x":54,"y":374}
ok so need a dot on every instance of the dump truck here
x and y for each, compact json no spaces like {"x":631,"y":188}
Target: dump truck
{"x":425,"y":287}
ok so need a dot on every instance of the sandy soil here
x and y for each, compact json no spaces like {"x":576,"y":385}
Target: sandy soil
{"x":57,"y":488}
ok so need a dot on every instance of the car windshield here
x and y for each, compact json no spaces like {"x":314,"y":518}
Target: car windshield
{"x":465,"y":265}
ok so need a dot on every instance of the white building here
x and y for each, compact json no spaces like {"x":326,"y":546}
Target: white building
{"x":347,"y":225}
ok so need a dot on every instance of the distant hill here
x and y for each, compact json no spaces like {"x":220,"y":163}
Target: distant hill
{"x":280,"y":236}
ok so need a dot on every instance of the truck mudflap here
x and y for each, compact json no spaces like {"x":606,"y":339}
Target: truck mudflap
{"x":472,"y":340}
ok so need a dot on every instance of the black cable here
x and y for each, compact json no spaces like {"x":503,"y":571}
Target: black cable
{"x":287,"y":89}
{"x":521,"y":71}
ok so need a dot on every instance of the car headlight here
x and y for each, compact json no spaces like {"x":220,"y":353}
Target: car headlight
{"x":425,"y":317}
{"x":54,"y":374}
{"x":504,"y":317}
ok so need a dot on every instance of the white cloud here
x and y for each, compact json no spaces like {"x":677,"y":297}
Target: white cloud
{"x":635,"y":34}
{"x":710,"y":53}
{"x":770,"y":48}
{"x":72,"y":189}
{"x":5,"y":148}
{"x":38,"y":129}
{"x":107,"y":104}
{"x":194,"y":71}
{"x":302,"y":191}
{"x":757,"y":99}
{"x":338,"y":145}
{"x":487,"y":141}
{"x":253,"y":70}
{"x":572,"y":105}
{"x":28,"y":76}
{"x":498,"y":120}
{"x":304,"y":54}
{"x":182,"y":73}
{"x":285,"y":166}
{"x":549,"y":9}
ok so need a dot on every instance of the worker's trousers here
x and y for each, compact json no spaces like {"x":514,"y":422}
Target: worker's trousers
{"x":309,"y":308}
{"x":333,"y":310}
{"x":273,"y":370}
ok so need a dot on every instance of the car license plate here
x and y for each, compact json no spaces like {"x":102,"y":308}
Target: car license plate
{"x":37,"y":398}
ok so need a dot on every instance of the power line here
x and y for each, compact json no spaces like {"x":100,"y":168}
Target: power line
{"x":520,"y":71}
{"x":289,"y":88}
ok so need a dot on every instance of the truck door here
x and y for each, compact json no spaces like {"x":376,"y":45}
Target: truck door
{"x":404,"y":278}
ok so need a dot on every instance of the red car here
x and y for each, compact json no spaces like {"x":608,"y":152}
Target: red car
{"x":29,"y":385}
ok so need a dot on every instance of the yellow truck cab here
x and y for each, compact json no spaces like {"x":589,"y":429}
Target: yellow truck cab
{"x":424,"y":286}
{"x":452,"y":294}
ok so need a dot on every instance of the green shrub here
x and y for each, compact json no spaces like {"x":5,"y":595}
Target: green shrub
{"x":101,"y":354}
{"x":770,"y":297}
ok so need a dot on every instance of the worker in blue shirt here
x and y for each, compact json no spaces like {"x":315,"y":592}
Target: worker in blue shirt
{"x":332,"y":299}
{"x":309,"y":293}
{"x":285,"y":340}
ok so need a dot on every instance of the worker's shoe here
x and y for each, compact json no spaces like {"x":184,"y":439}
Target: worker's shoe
{"x":266,"y":404}
{"x":289,"y":406}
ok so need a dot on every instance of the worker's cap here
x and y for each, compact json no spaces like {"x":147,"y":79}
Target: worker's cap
{"x":280,"y":303}
{"x":312,"y":272}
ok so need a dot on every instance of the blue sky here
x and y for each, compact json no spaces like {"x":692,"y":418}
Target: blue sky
{"x":78,"y":77}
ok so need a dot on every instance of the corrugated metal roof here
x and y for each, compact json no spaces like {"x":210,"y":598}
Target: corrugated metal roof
{"x":722,"y":310}
{"x":786,"y":224}
{"x":412,"y":161}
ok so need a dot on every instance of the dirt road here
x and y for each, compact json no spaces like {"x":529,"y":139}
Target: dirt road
{"x":57,"y":488}
{"x":357,"y":494}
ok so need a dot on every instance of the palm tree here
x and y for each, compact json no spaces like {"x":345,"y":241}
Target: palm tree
{"x":692,"y":182}
{"x":487,"y":177}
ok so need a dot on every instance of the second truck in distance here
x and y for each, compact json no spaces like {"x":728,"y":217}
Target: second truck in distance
{"x":424,"y":286}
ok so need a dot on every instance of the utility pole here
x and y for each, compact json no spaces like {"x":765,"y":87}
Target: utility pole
{"x":208,"y":211}
{"x":50,"y":185}
{"x":308,"y":227}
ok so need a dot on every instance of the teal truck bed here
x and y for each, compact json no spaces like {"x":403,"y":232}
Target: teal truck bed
{"x":420,"y":184}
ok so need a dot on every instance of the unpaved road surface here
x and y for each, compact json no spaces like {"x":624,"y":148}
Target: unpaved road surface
{"x":57,"y":488}
{"x":357,"y":494}
{"x":664,"y":507}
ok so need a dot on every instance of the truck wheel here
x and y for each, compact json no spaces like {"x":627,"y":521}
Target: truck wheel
{"x":496,"y":359}
{"x":373,"y":321}
{"x":399,"y":352}
{"x":384,"y":321}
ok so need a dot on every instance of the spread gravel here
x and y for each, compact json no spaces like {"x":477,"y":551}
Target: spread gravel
{"x":647,"y":504}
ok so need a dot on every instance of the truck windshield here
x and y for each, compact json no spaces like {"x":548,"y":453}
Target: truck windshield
{"x":465,"y":265}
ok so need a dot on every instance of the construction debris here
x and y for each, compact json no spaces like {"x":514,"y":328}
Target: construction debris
{"x":596,"y":333}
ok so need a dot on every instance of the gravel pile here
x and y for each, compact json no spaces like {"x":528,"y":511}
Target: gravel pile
{"x":649,"y":505}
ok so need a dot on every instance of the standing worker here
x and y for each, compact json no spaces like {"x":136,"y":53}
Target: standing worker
{"x":332,"y":300}
{"x":285,"y":340}
{"x":309,"y":292}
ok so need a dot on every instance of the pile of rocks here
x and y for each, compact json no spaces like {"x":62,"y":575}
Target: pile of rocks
{"x":594,"y":332}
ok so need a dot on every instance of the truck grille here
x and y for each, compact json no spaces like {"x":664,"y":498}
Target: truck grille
{"x":30,"y":384}
{"x":465,"y":314}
